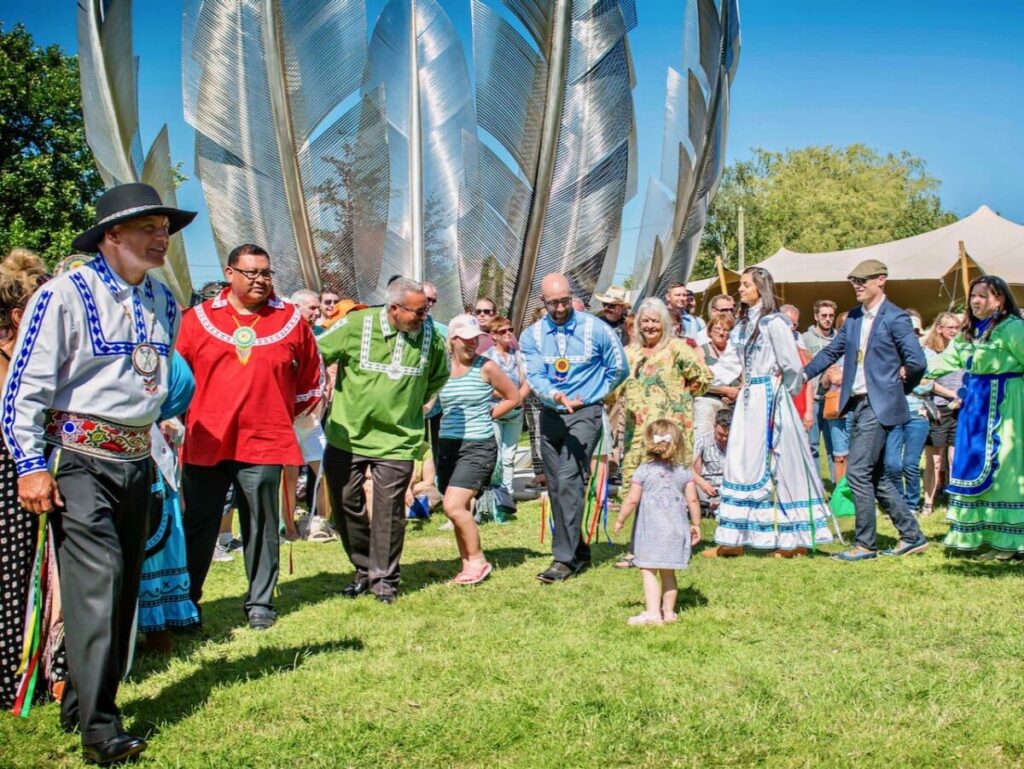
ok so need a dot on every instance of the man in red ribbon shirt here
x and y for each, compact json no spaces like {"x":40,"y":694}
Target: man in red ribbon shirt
{"x":257,"y":367}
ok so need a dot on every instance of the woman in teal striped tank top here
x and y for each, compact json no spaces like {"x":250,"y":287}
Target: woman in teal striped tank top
{"x":467,"y":448}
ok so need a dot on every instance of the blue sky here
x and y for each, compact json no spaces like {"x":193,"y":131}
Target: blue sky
{"x":940,"y":78}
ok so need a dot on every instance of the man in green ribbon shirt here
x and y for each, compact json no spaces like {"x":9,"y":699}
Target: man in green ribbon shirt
{"x":390,"y":363}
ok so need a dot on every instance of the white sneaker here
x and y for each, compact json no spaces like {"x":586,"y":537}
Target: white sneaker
{"x":221,"y":554}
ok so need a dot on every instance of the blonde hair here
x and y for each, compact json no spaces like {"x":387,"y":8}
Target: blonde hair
{"x":662,"y":450}
{"x":21,"y":273}
{"x":933,"y":339}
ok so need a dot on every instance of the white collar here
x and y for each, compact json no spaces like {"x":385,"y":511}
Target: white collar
{"x":221,"y":300}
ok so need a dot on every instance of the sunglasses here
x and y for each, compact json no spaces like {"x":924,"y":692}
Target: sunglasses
{"x":502,"y":331}
{"x":862,"y":281}
{"x":420,"y":313}
{"x":480,"y":311}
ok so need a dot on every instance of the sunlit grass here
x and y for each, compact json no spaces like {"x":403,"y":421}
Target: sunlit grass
{"x":804,"y":662}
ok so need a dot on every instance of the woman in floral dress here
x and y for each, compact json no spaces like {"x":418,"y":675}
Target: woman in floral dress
{"x":665,"y":375}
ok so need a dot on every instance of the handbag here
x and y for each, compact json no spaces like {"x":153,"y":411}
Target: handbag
{"x":841,"y":501}
{"x":831,"y":409}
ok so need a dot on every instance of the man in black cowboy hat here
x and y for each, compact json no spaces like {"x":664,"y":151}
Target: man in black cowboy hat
{"x":87,"y":379}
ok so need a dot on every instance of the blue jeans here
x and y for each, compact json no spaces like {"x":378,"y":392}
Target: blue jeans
{"x":820,"y":429}
{"x":507,"y":431}
{"x":903,"y":450}
{"x":865,"y":472}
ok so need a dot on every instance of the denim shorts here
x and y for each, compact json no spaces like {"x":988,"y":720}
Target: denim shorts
{"x":839,"y":433}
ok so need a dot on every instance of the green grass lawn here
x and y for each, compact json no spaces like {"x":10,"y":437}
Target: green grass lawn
{"x":805,"y":662}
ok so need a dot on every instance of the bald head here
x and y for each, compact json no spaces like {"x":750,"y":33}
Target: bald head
{"x":557,"y":296}
{"x":554,"y":285}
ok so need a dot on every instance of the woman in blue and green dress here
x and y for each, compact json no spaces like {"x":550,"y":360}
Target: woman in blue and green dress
{"x":986,"y":487}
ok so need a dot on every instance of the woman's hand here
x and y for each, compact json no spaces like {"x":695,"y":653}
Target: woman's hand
{"x":707,"y":488}
{"x":617,"y":526}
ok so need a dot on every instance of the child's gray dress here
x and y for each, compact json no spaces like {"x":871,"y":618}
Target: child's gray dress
{"x":663,"y":522}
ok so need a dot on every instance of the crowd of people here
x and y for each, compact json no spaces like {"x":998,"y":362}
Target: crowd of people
{"x":133,"y":427}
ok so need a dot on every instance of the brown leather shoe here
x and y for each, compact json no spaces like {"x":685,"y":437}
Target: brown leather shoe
{"x":722,"y":551}
{"x":795,"y":553}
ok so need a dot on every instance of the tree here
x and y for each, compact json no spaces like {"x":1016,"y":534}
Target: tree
{"x":819,"y":199}
{"x":47,"y":176}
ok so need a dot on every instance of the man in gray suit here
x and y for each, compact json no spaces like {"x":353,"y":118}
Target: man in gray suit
{"x":882,"y":362}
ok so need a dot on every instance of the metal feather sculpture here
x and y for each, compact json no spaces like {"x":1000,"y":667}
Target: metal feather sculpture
{"x":558,"y":101}
{"x":108,"y":74}
{"x":416,"y":60}
{"x":693,"y":154}
{"x":260,"y":79}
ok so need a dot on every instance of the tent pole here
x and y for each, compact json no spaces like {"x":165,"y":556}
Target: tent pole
{"x":721,"y":274}
{"x":964,"y":272}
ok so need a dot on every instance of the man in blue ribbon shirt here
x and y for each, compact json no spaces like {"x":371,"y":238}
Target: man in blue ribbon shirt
{"x":573,"y":360}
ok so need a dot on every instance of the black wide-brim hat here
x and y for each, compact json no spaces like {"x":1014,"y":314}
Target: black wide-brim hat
{"x":124,"y":202}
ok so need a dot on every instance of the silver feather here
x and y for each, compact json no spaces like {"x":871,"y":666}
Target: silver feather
{"x":416,"y":60}
{"x":109,"y":81}
{"x":260,"y":77}
{"x":559,"y":102}
{"x":693,"y":154}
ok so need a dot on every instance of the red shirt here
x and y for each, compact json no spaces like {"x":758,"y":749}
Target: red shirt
{"x":244,"y":411}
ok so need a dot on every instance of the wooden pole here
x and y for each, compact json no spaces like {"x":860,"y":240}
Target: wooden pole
{"x":741,"y":239}
{"x":721,"y":274}
{"x":964,"y":272}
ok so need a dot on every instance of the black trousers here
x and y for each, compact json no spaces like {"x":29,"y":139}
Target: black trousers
{"x":257,"y":490}
{"x":101,"y":537}
{"x":567,"y":443}
{"x":374,"y":546}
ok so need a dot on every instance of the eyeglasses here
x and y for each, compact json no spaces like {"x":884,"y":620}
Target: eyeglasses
{"x":862,"y":281}
{"x":552,"y":304}
{"x":420,"y":313}
{"x":611,"y":305}
{"x":482,"y":311}
{"x":501,"y":331}
{"x":431,"y":300}
{"x":252,"y":275}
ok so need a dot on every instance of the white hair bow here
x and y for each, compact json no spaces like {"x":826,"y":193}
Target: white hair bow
{"x":663,"y":438}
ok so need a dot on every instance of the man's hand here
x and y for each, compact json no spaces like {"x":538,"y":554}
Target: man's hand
{"x":569,"y":404}
{"x":707,"y":488}
{"x":37,"y":492}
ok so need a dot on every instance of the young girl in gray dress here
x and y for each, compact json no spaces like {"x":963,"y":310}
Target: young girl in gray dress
{"x":665,"y":493}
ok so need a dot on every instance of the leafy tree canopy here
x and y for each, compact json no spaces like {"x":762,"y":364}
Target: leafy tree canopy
{"x":47,"y":177}
{"x":819,"y":199}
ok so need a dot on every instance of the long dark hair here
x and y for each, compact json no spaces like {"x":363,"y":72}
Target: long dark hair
{"x":765,"y":284}
{"x":1009,"y":309}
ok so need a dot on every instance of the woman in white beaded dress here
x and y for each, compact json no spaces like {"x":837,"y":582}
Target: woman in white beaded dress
{"x":772,"y":494}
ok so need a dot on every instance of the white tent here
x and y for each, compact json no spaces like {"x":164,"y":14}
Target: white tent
{"x":924,"y":270}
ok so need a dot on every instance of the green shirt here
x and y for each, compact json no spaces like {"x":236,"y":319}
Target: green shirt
{"x":384,"y":379}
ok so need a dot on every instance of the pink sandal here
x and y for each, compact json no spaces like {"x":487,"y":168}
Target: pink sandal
{"x":473,"y":577}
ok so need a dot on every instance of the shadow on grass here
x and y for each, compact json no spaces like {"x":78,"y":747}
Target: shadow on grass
{"x":688,"y":598}
{"x":182,"y":698}
{"x":968,"y":567}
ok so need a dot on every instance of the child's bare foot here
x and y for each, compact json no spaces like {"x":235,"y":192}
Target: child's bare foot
{"x":646,"y":619}
{"x":669,"y":616}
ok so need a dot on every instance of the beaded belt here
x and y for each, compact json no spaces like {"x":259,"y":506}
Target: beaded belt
{"x":98,"y":437}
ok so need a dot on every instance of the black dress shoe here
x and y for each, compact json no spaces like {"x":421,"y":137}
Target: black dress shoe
{"x":387,"y":598}
{"x":115,"y":750}
{"x":578,"y":567}
{"x":261,"y":620}
{"x":355,"y":589}
{"x":556,"y":572}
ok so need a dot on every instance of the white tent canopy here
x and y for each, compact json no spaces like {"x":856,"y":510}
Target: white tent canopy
{"x":924,"y":270}
{"x":994,"y":244}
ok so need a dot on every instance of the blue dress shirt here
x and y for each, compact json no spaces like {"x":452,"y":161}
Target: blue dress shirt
{"x":597,"y":362}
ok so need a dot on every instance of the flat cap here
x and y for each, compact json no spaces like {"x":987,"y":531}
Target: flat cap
{"x":869,"y":268}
